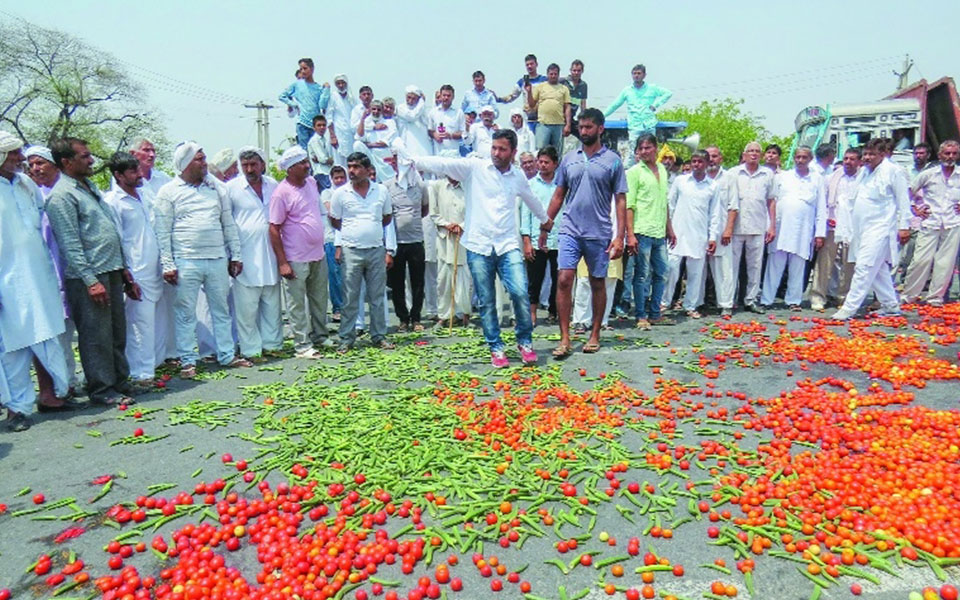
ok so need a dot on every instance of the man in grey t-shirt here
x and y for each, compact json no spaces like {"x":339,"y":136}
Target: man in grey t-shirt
{"x":408,"y":194}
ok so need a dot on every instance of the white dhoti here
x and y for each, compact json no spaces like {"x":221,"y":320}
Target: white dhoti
{"x":259,"y":322}
{"x":166,"y":328}
{"x":145,"y":350}
{"x":693,"y":296}
{"x":463,"y":291}
{"x":66,"y":342}
{"x":777,"y":261}
{"x":724,"y":277}
{"x":583,"y":301}
{"x":16,"y":388}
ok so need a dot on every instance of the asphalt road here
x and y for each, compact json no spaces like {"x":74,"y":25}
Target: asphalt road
{"x":61,"y":456}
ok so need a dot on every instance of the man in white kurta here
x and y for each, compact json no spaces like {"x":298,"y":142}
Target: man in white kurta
{"x":412,"y":122}
{"x":131,"y":202}
{"x":881,"y":219}
{"x":256,"y":290}
{"x":447,"y":125}
{"x":801,"y":227}
{"x":936,"y":193}
{"x":31,"y":316}
{"x":448,"y":212}
{"x":339,"y":109}
{"x":841,"y":190}
{"x":480,"y":135}
{"x":692,"y":205}
{"x":374,"y":138}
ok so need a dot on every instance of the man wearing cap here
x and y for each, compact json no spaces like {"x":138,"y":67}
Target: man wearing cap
{"x":308,"y":97}
{"x":132,"y":207}
{"x":256,"y":290}
{"x":296,"y":233}
{"x":95,"y":272}
{"x":31,"y":318}
{"x":342,"y":103}
{"x":375,"y":134}
{"x":44,"y":173}
{"x":223,"y":165}
{"x":199,"y":246}
{"x":412,"y":122}
{"x":480,"y":135}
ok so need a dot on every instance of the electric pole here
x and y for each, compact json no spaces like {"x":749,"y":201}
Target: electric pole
{"x":263,"y":127}
{"x":902,"y":75}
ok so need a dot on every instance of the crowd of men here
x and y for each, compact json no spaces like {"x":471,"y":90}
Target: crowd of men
{"x":447,"y":211}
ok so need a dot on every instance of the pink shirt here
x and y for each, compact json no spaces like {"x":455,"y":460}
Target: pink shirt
{"x":300,"y":216}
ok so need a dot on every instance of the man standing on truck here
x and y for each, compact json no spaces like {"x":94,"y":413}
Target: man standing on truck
{"x":643,"y":99}
{"x":936,"y":193}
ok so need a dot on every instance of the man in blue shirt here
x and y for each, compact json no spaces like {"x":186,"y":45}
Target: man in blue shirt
{"x":643,"y":99}
{"x":309,"y":98}
{"x":479,"y":95}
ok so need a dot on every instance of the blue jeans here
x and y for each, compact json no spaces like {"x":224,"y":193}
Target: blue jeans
{"x":211,"y":273}
{"x":549,"y":135}
{"x":303,"y":135}
{"x":334,"y":277}
{"x":650,"y":277}
{"x":513,"y":274}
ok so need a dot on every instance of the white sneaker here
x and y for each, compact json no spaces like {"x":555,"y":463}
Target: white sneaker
{"x":309,"y":353}
{"x":840,"y":315}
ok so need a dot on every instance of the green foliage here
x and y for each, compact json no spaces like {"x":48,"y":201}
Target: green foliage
{"x":724,"y":123}
{"x":53,"y":84}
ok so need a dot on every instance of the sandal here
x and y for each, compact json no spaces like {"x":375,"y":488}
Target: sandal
{"x":188,"y":372}
{"x":643,"y":325}
{"x":591,"y":347}
{"x":562,"y":351}
{"x":693,"y":314}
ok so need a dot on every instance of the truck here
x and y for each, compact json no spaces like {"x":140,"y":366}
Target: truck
{"x":921,"y":112}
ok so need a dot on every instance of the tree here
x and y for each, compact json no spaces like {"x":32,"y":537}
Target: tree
{"x":54,"y":84}
{"x":723,"y":123}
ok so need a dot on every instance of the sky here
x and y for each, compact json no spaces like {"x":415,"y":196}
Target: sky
{"x":200,"y":61}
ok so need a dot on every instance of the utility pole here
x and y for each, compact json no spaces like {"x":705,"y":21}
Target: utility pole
{"x":263,"y":126}
{"x":902,"y":75}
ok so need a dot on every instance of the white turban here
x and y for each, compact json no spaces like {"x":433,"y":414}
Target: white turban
{"x":41,"y":151}
{"x":184,"y":154}
{"x":222,"y":160}
{"x":412,"y":89}
{"x":292,"y":156}
{"x":341,"y":77}
{"x":8,"y":143}
{"x":246,"y":149}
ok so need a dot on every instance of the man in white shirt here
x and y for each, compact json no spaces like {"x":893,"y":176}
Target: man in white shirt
{"x":256,"y":290}
{"x":339,"y":113}
{"x":31,"y":315}
{"x":375,"y":134}
{"x":480,"y":136}
{"x":802,"y":214}
{"x":447,"y":124}
{"x":492,"y":186}
{"x":751,"y":187}
{"x":937,"y":194}
{"x":320,"y":152}
{"x":145,"y":152}
{"x":199,"y":247}
{"x":360,"y":211}
{"x":360,"y":111}
{"x":881,"y":219}
{"x":841,"y":191}
{"x":132,"y":206}
{"x":826,"y":155}
{"x":692,"y":205}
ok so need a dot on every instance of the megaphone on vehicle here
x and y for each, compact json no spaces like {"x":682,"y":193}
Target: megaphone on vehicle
{"x":691,"y":142}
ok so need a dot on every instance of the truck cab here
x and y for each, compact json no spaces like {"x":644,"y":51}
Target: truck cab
{"x":852,"y":125}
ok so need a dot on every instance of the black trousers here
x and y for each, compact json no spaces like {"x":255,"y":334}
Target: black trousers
{"x":101,"y":335}
{"x":413,"y":258}
{"x":536,"y":271}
